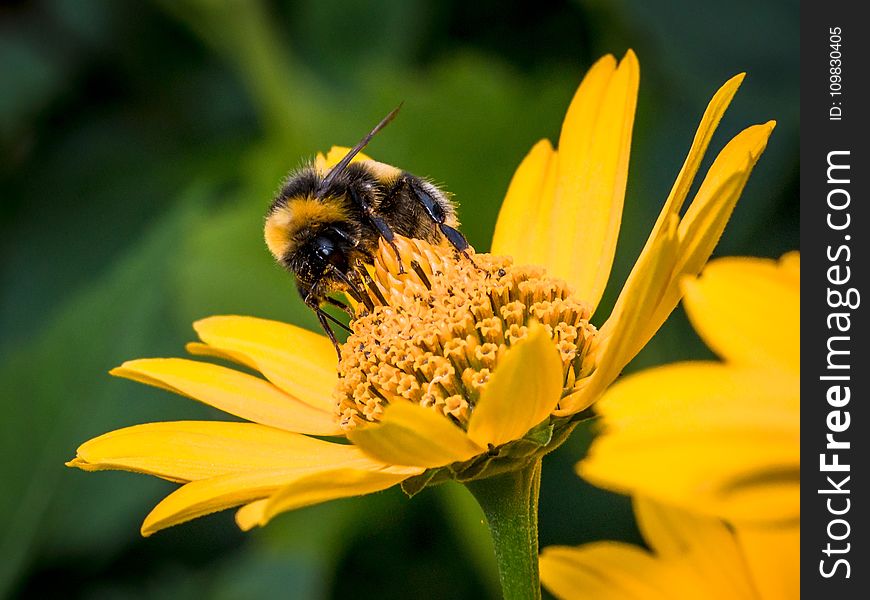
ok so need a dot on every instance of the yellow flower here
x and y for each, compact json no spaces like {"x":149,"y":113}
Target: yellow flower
{"x":690,"y":557}
{"x":720,"y":438}
{"x":498,"y":359}
{"x":707,"y":441}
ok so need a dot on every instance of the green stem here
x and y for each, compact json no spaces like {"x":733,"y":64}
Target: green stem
{"x":510,"y":503}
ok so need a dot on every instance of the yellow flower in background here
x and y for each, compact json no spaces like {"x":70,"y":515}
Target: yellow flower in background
{"x":463,"y":369}
{"x":720,"y":438}
{"x":690,"y":557}
{"x":699,"y":442}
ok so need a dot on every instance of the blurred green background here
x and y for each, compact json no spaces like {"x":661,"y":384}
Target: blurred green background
{"x":140,"y":144}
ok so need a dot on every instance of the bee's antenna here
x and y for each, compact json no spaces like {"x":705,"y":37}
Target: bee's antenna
{"x":342,"y":164}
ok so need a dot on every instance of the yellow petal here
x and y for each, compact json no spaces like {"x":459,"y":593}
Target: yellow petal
{"x":627,"y":321}
{"x":692,"y":557}
{"x":298,"y":361}
{"x":697,"y":233}
{"x":321,"y":487}
{"x":790,"y":262}
{"x":748,"y":311}
{"x":773,"y":557}
{"x":334,"y":156}
{"x":191,"y":450}
{"x":206,"y":496}
{"x":610,"y":570}
{"x":705,"y":219}
{"x":320,"y":163}
{"x":528,"y":209}
{"x":720,"y":440}
{"x":738,"y":156}
{"x":250,"y":515}
{"x":592,"y":170}
{"x":522,"y":206}
{"x":200,"y":349}
{"x":521,"y":393}
{"x":678,"y":535}
{"x":711,"y":208}
{"x":671,"y":532}
{"x":709,"y":122}
{"x":563,"y":209}
{"x":673,"y":205}
{"x":233,"y":392}
{"x":409,"y":434}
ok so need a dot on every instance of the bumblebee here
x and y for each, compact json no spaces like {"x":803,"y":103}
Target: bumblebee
{"x":324,"y":227}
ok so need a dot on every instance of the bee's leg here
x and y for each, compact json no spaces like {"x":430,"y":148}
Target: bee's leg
{"x":359,"y":290}
{"x":354,"y":288}
{"x":363,"y":274}
{"x":312,"y":300}
{"x":436,"y":213}
{"x":326,"y":315}
{"x":323,"y":317}
{"x":345,"y":236}
{"x":379,"y":224}
{"x":339,"y":304}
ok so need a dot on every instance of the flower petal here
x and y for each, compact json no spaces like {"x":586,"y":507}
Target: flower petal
{"x":409,"y":434}
{"x":321,"y":487}
{"x":728,"y":189}
{"x":692,"y":557}
{"x":626,"y":322}
{"x":708,"y":437}
{"x":773,"y":557}
{"x":525,"y":205}
{"x":334,"y":156}
{"x":593,"y":157}
{"x":233,"y":392}
{"x":563,"y":209}
{"x":298,"y":361}
{"x":522,"y":391}
{"x":748,"y":311}
{"x":206,"y":496}
{"x":200,"y":349}
{"x":250,"y":515}
{"x":790,"y":262}
{"x":672,"y":532}
{"x":697,"y":233}
{"x":190,"y":450}
{"x":705,"y":219}
{"x":528,"y":207}
{"x":709,"y":122}
{"x":706,"y":544}
{"x":670,"y":213}
{"x":610,"y":570}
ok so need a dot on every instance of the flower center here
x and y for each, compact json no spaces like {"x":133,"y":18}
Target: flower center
{"x":434,"y":333}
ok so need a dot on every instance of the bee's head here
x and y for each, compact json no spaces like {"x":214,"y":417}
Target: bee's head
{"x":310,"y":236}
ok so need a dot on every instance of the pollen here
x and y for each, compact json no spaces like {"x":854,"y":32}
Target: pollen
{"x":433,"y":329}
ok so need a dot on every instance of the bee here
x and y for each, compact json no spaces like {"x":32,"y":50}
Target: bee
{"x":325,"y":227}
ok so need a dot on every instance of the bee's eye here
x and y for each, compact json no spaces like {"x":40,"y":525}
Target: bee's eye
{"x":323,"y":247}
